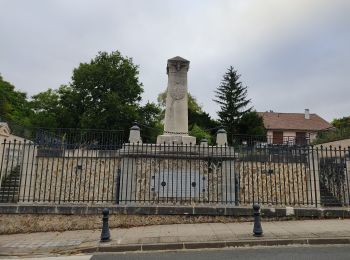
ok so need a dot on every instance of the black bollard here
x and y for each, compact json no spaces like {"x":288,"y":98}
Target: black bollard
{"x":257,"y":230}
{"x":105,"y":235}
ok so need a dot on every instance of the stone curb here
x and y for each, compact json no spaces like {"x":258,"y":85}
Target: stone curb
{"x":214,"y":244}
{"x":106,"y":248}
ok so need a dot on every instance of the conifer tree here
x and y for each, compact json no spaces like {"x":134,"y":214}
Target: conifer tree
{"x":231,"y":95}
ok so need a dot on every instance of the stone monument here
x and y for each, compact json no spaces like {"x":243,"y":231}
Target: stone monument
{"x":176,"y":113}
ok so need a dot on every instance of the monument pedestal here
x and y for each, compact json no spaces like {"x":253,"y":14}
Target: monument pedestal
{"x":176,"y":139}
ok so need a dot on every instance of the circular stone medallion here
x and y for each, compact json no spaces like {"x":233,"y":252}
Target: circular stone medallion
{"x":178,"y":91}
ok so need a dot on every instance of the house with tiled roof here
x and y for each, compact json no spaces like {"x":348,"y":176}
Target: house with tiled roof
{"x":293,"y":128}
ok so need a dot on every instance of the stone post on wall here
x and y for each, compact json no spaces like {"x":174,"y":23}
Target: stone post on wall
{"x":221,"y":137}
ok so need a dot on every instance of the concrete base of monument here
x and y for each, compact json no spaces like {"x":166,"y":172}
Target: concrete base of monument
{"x":176,"y":139}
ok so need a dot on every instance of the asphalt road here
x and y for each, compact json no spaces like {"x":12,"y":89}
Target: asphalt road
{"x":333,"y":252}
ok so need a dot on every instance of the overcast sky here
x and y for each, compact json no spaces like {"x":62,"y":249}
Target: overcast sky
{"x":291,"y":54}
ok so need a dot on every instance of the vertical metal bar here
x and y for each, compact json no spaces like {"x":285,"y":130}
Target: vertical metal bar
{"x":6,"y":170}
{"x":251,"y":160}
{"x":173,"y":173}
{"x":11,"y":187}
{"x":26,"y":169}
{"x":181,"y":191}
{"x":41,"y":171}
{"x":148,"y":177}
{"x":224,"y":168}
{"x":128,"y":147}
{"x":104,"y":156}
{"x":13,"y":169}
{"x":315,"y":189}
{"x":85,"y":172}
{"x":142,"y":189}
{"x":67,"y":172}
{"x":51,"y":175}
{"x":298,"y":170}
{"x":78,"y":159}
{"x":190,"y":163}
{"x":186,"y":179}
{"x":31,"y":175}
{"x":156,"y":147}
{"x":91,"y":157}
{"x":115,"y":179}
{"x":258,"y":173}
{"x":122,"y":174}
{"x":56,"y":179}
{"x":47,"y":169}
{"x":346,"y":169}
{"x":132,"y":172}
{"x":118,"y":187}
{"x":17,"y":168}
{"x":159,"y":173}
{"x":110,"y":157}
{"x":80,"y":172}
{"x":287,"y":155}
{"x":275,"y":176}
{"x":99,"y":160}
{"x":2,"y":175}
{"x":198,"y":164}
{"x":94,"y":176}
{"x":245,"y":172}
{"x":284,"y":176}
{"x":21,"y":149}
{"x":279,"y":176}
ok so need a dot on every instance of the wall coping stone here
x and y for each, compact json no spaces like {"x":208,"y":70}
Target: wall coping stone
{"x":235,"y":211}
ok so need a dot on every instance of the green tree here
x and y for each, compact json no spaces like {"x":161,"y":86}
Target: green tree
{"x":45,"y":106}
{"x":200,"y":134}
{"x":251,"y":123}
{"x":103,"y":94}
{"x":14,"y":106}
{"x":231,"y":95}
{"x":106,"y":92}
{"x":343,"y":122}
{"x":150,"y":118}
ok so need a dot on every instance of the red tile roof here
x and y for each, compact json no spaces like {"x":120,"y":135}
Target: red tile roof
{"x":293,"y":121}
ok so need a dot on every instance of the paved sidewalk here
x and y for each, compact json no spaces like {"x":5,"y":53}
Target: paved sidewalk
{"x":178,"y":236}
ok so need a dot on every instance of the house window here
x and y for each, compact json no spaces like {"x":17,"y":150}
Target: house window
{"x":300,"y":138}
{"x":277,"y":137}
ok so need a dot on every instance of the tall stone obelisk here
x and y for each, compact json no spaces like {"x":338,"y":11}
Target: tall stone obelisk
{"x":176,"y":113}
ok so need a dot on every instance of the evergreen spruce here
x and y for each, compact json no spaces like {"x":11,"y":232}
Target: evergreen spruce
{"x":232,"y":97}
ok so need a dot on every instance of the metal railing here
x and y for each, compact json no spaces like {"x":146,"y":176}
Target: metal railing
{"x":173,"y":174}
{"x":269,"y":140}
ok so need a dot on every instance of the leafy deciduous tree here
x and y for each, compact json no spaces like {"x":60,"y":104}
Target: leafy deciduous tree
{"x":13,"y":104}
{"x":251,"y":123}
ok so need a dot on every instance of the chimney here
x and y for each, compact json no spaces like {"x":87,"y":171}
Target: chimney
{"x":307,"y":113}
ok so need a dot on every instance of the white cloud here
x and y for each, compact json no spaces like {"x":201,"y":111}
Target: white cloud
{"x":283,"y":49}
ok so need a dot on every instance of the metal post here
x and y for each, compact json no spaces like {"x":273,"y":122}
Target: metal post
{"x":105,"y":235}
{"x":257,"y":230}
{"x":118,"y":187}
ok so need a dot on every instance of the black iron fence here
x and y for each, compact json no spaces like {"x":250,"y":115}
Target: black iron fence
{"x":269,"y":140}
{"x":172,"y":174}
